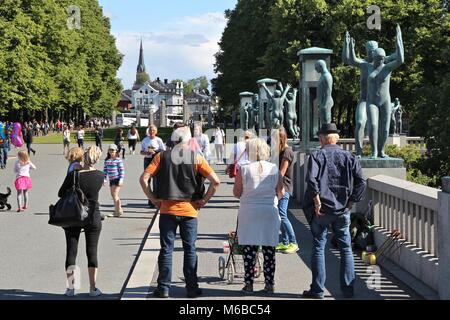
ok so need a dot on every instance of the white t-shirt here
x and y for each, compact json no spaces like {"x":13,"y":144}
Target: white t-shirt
{"x":219,"y":136}
{"x":156,"y":143}
{"x":67,"y":135}
{"x":23,"y":171}
{"x":80,"y":134}
{"x":133,"y":136}
{"x":241,"y":155}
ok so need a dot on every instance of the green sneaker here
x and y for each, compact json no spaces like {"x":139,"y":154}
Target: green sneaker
{"x":291,"y":248}
{"x":281,"y":247}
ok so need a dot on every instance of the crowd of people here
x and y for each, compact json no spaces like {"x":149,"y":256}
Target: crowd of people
{"x":173,"y":182}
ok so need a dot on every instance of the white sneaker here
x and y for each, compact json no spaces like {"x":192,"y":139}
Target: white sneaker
{"x":95,"y":293}
{"x":69,"y":292}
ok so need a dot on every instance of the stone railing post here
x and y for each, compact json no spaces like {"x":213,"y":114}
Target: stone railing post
{"x":444,"y":239}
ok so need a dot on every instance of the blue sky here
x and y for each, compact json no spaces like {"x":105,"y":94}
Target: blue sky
{"x":180,"y":36}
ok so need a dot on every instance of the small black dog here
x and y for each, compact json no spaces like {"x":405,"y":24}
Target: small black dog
{"x":4,"y":199}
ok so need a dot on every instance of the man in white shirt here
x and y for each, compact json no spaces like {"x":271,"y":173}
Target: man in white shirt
{"x":203,"y":141}
{"x":151,"y":145}
{"x":219,"y":139}
{"x":80,"y":137}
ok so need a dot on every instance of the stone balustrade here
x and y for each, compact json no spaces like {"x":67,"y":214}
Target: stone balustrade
{"x":408,"y":207}
{"x":349,"y":143}
{"x":422,"y":216}
{"x":417,"y":141}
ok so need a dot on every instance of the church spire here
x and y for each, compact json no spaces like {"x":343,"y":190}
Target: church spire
{"x":141,"y":74}
{"x":141,"y":65}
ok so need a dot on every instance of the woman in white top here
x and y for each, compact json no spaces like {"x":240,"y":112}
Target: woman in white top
{"x":238,"y":154}
{"x":258,"y":185}
{"x":66,"y":141}
{"x":80,"y":137}
{"x":133,"y":137}
{"x":219,"y":142}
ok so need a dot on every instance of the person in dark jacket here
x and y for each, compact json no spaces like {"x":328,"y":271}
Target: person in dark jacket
{"x":29,"y":140}
{"x":91,"y":181}
{"x":98,"y":136}
{"x":334,"y":183}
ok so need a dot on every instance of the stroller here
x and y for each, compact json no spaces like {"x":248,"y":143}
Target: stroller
{"x":233,"y":265}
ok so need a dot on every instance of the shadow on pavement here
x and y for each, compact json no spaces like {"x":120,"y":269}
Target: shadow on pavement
{"x":16,"y":294}
{"x":389,"y":288}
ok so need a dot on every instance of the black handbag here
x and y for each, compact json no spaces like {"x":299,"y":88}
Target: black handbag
{"x":72,"y":209}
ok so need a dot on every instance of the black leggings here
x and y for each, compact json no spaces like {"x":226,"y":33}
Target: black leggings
{"x":92,"y":234}
{"x":132,"y":144}
{"x":250,"y":256}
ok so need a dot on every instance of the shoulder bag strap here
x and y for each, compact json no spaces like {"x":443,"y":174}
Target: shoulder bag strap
{"x":243,"y":152}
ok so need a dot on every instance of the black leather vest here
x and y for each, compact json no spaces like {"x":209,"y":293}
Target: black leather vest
{"x":176,"y":181}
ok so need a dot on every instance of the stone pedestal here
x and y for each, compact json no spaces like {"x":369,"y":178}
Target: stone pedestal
{"x":394,"y":139}
{"x":392,"y":167}
{"x":300,"y":169}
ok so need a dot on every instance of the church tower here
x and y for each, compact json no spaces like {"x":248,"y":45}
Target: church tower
{"x":141,"y":74}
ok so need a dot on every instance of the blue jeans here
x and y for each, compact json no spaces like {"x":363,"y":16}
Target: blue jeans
{"x":287,"y":232}
{"x":188,"y":232}
{"x":3,"y":157}
{"x":319,"y":229}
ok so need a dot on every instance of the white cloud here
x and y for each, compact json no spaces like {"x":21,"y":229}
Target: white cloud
{"x":110,"y":15}
{"x":183,"y":49}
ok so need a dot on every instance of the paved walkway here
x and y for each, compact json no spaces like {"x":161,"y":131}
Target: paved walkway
{"x":293,"y":274}
{"x":32,"y":252}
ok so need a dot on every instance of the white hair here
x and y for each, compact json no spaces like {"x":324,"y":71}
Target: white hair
{"x":182,"y":134}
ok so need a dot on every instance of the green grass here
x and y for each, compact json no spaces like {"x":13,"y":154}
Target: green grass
{"x":108,"y":136}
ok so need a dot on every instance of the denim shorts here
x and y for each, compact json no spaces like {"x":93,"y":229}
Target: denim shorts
{"x":114,"y":182}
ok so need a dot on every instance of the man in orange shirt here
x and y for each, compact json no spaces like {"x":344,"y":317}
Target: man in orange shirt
{"x":179,"y":194}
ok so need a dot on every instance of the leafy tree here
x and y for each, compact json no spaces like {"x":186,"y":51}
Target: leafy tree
{"x":243,"y":42}
{"x":288,"y":26}
{"x":48,"y":68}
{"x":200,"y":83}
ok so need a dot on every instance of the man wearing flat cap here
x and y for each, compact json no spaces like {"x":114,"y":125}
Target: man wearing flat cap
{"x":334,"y":183}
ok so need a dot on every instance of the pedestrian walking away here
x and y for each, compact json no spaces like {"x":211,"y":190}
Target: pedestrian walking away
{"x":98,"y":136}
{"x":90,"y":181}
{"x":80,"y":137}
{"x":5,"y":133}
{"x":258,"y":186}
{"x":115,"y":173}
{"x":66,"y":141}
{"x":23,"y":181}
{"x":288,"y":241}
{"x":334,"y":182}
{"x":29,"y":140}
{"x":219,"y":143}
{"x":179,"y":197}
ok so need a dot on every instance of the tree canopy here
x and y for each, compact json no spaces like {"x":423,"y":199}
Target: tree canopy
{"x":262,"y":38}
{"x":47,"y":66}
